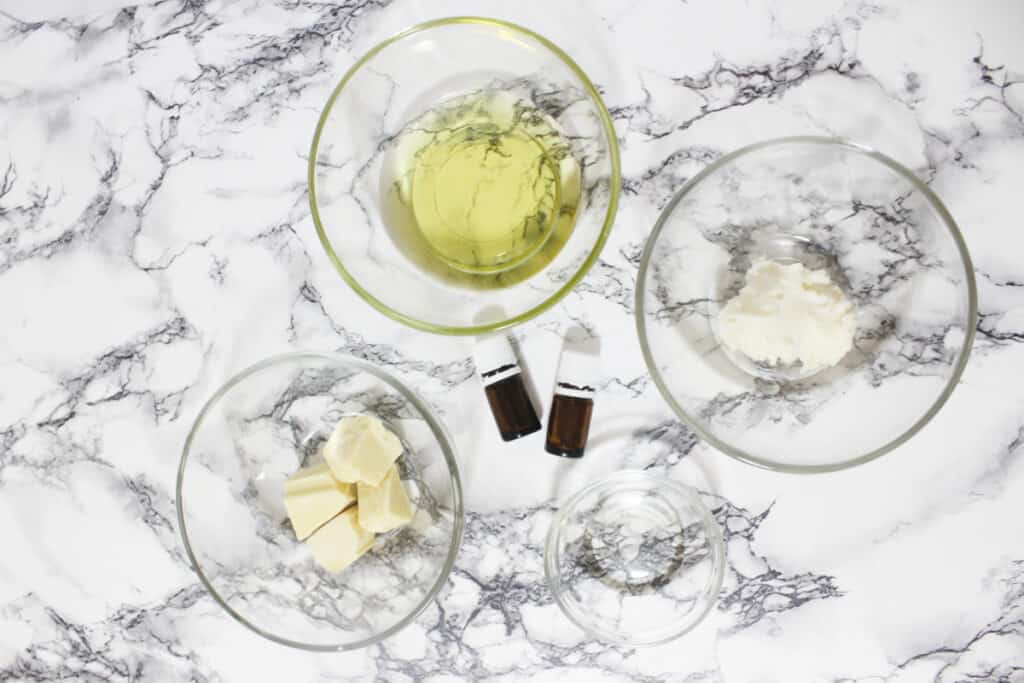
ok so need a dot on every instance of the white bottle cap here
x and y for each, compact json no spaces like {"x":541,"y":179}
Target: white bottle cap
{"x":495,"y":359}
{"x":577,"y":374}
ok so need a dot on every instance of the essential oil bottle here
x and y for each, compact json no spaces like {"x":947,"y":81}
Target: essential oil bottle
{"x":506,"y":392}
{"x":572,"y":406}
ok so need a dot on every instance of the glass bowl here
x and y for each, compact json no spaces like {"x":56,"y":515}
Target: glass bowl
{"x":635,"y":559}
{"x":884,"y":238}
{"x":361,"y":188}
{"x":258,"y":429}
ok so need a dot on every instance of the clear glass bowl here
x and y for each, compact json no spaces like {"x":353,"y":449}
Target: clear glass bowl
{"x":258,"y":429}
{"x":635,"y":559}
{"x":885,"y":239}
{"x":353,"y":156}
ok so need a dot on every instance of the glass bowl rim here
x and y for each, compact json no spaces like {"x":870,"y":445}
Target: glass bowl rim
{"x":615,"y":180}
{"x":970,"y":321}
{"x":436,"y":427}
{"x":713,"y":533}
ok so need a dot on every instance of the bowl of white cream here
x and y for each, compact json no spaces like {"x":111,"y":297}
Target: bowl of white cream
{"x":806,"y":304}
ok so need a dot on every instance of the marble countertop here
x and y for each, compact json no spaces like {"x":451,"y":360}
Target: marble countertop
{"x":155,"y":238}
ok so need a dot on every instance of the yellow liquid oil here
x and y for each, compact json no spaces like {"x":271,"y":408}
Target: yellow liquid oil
{"x":481,"y":190}
{"x":484,"y":198}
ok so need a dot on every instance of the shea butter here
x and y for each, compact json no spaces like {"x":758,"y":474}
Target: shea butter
{"x":787,"y":314}
{"x":312,"y":496}
{"x":339,"y":505}
{"x":386,"y":506}
{"x":361,"y":449}
{"x":340,"y":542}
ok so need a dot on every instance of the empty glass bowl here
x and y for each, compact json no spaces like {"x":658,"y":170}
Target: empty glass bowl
{"x":882,"y":236}
{"x":379,"y":220}
{"x":635,"y":559}
{"x":259,"y":428}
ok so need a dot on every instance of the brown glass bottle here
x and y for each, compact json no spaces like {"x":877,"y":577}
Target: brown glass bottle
{"x":572,"y":405}
{"x":569,"y":425}
{"x":510,"y":403}
{"x":512,"y":409}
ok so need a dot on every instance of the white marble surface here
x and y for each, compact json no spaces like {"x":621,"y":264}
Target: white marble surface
{"x":155,"y":238}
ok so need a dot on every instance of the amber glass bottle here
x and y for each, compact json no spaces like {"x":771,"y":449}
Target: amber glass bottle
{"x":506,"y":392}
{"x":572,"y":406}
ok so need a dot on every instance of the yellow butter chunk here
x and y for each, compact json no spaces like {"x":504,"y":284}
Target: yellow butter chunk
{"x":312,"y":496}
{"x":361,"y":449}
{"x":340,"y":542}
{"x":386,"y":506}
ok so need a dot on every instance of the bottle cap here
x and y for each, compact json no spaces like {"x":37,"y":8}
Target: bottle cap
{"x":495,"y":359}
{"x":577,"y":374}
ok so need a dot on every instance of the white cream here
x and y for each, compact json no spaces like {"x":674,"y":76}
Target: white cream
{"x":787,"y":313}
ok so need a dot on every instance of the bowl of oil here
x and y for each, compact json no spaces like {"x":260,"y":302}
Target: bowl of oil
{"x":464,"y":175}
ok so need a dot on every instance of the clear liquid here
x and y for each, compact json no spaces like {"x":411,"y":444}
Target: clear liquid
{"x":481,"y":190}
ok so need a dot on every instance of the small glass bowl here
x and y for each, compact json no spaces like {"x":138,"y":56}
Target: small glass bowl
{"x":635,"y":559}
{"x":255,"y":431}
{"x":383,"y":256}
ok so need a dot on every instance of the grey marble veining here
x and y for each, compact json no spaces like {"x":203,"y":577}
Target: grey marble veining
{"x":155,"y":239}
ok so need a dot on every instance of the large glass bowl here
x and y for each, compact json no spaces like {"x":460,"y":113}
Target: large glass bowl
{"x":365,"y":230}
{"x":258,"y":429}
{"x":885,"y":239}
